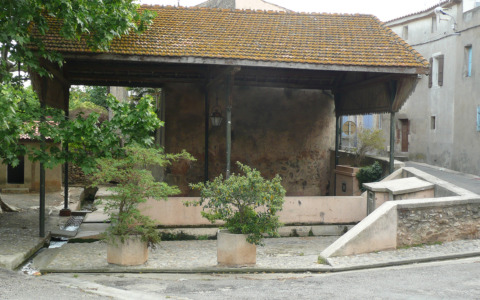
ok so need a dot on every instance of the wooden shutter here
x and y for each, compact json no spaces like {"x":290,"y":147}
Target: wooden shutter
{"x":431,"y":73}
{"x":440,"y":60}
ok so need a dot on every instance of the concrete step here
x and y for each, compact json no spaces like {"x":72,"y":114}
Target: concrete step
{"x":15,"y":190}
{"x":94,"y":231}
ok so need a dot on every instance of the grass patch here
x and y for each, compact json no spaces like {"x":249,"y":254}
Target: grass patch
{"x":321,"y":260}
{"x":420,"y":245}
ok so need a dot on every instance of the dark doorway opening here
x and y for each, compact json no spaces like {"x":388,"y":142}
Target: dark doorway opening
{"x":16,"y":174}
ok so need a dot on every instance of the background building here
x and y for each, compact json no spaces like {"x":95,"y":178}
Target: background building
{"x":440,"y":123}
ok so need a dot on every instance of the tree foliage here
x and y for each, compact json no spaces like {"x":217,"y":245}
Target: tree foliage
{"x":247,"y":203}
{"x":87,"y":137}
{"x":135,"y":184}
{"x":368,"y":174}
{"x":98,"y":22}
{"x":86,"y":96}
{"x":368,"y":140}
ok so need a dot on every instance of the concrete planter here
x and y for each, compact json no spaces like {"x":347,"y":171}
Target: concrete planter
{"x":132,"y":252}
{"x":233,"y":250}
{"x":347,"y":182}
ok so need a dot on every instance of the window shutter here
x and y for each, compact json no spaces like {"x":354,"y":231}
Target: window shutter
{"x":431,"y":73}
{"x":368,"y":121}
{"x":440,"y":60}
{"x":478,"y":118}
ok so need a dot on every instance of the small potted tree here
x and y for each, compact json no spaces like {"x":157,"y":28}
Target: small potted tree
{"x":248,"y":204}
{"x":130,"y":233}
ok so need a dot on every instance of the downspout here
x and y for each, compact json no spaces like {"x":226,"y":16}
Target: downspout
{"x":337,"y":148}
{"x":229,"y":82}
{"x":393,"y":94}
{"x":207,"y":110}
{"x":42,"y":176}
{"x":65,"y":212}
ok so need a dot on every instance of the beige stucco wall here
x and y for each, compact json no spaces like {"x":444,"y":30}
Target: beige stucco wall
{"x":53,"y":177}
{"x":275,"y":130}
{"x":257,"y":4}
{"x":296,"y":210}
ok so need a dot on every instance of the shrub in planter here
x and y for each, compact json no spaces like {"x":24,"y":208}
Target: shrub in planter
{"x":247,"y":203}
{"x":135,"y":184}
{"x":370,"y":173}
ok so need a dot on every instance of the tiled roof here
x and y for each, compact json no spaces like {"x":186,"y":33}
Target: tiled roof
{"x":326,"y":39}
{"x":27,"y":137}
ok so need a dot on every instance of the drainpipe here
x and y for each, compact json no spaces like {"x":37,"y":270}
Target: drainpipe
{"x":228,"y":84}
{"x":42,"y":176}
{"x":207,"y":110}
{"x":65,"y":212}
{"x":393,"y":93}
{"x":337,"y":147}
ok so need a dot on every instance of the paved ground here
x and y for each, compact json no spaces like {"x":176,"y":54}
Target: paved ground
{"x":19,"y":239}
{"x":452,"y":279}
{"x":467,"y":181}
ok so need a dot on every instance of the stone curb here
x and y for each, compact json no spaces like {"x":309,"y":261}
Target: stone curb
{"x":325,"y":269}
{"x":13,"y":261}
{"x":401,"y":262}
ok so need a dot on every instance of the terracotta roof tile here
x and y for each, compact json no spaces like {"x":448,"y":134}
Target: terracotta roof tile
{"x":330,"y":39}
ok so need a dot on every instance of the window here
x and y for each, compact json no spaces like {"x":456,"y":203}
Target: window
{"x":432,"y":122}
{"x":368,"y":121}
{"x":468,"y":60}
{"x":379,"y":121}
{"x":405,"y":33}
{"x":434,"y":25}
{"x":436,"y":71}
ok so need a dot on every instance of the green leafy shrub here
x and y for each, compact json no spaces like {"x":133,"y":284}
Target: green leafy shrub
{"x":247,"y":203}
{"x":370,"y":173}
{"x":135,"y":184}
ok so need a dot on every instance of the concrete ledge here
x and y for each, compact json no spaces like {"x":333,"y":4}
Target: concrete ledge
{"x":95,"y":230}
{"x":13,"y":261}
{"x":376,"y":232}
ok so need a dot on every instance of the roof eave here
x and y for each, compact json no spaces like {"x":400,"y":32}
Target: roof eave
{"x":250,"y":63}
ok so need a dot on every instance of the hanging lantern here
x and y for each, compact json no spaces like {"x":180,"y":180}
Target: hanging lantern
{"x":216,"y":118}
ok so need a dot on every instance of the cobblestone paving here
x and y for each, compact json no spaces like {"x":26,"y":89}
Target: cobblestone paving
{"x":408,"y":254}
{"x":280,"y":253}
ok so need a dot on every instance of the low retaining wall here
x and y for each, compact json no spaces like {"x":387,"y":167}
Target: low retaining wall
{"x":417,"y":221}
{"x":296,"y":210}
{"x":438,"y":223}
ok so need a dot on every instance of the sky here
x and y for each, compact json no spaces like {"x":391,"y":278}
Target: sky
{"x":384,"y":9}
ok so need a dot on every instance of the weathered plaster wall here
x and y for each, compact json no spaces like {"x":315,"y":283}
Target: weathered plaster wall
{"x":455,"y":141}
{"x":241,"y":4}
{"x":438,"y":224}
{"x":296,"y":210}
{"x":466,"y":156}
{"x":275,"y":130}
{"x":53,"y":177}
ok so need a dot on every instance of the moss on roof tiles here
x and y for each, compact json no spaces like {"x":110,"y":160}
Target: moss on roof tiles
{"x":332,"y":39}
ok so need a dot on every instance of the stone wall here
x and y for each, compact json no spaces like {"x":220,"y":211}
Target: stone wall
{"x":438,"y":224}
{"x":277,"y":131}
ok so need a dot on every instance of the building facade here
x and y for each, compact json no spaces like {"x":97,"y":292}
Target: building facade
{"x":440,"y":123}
{"x":242,"y":4}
